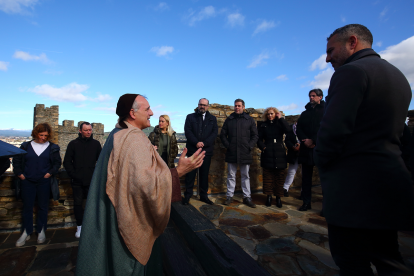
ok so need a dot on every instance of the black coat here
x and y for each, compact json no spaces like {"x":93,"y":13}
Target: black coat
{"x":307,"y":128}
{"x":271,"y":138}
{"x":365,"y":181}
{"x":197,"y":130}
{"x":80,"y":159}
{"x":239,"y":136}
{"x":290,"y":142}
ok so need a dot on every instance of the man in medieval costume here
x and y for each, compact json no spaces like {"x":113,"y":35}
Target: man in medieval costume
{"x":130,"y":197}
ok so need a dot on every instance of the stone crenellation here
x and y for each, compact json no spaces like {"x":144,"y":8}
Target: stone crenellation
{"x":66,"y":132}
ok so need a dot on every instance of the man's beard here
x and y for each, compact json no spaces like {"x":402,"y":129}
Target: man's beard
{"x":201,"y":111}
{"x":340,"y":60}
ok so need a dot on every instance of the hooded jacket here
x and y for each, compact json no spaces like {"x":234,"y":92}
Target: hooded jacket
{"x":154,"y":137}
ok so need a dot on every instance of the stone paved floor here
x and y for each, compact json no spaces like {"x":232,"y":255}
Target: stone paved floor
{"x":57,"y":256}
{"x":285,"y":241}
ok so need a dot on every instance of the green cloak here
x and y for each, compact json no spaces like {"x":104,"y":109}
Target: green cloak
{"x":102,"y":250}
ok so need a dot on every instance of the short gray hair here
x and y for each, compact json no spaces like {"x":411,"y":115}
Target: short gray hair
{"x":358,"y":30}
{"x":136,"y":105}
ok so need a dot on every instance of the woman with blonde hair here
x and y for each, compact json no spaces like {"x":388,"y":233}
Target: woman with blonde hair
{"x":164,"y":139}
{"x":273,"y":157}
{"x":36,"y":172}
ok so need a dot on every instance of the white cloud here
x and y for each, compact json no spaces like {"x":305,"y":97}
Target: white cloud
{"x":28,"y":57}
{"x":52,"y":72}
{"x":322,"y":79}
{"x":281,"y":78}
{"x":343,"y":18}
{"x":16,"y":6}
{"x":162,"y":51}
{"x":383,"y":13}
{"x":68,"y":93}
{"x":259,"y":60}
{"x":235,"y":19}
{"x":320,"y":63}
{"x":401,"y":56}
{"x":292,"y":106}
{"x":265,"y":26}
{"x":109,"y":109}
{"x":379,"y":44}
{"x":205,"y":13}
{"x":4,"y":65}
{"x":102,"y":98}
{"x":162,"y":6}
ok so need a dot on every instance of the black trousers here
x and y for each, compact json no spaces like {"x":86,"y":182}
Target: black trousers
{"x":79,"y":193}
{"x":307,"y":173}
{"x":190,"y":177}
{"x":354,"y":249}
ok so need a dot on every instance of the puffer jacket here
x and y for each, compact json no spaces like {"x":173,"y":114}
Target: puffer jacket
{"x":239,"y":136}
{"x":154,"y":137}
{"x":271,"y":143}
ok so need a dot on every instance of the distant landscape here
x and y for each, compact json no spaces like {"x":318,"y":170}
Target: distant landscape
{"x":15,"y":133}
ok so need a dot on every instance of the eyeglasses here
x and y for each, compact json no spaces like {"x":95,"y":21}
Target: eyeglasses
{"x":202,"y":104}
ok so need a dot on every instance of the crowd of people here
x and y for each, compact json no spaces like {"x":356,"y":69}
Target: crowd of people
{"x":354,"y":137}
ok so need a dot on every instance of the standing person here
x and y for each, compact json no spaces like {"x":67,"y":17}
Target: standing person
{"x":37,"y":173}
{"x":129,"y":202}
{"x":239,"y":136}
{"x":201,"y":132}
{"x":367,"y":188}
{"x":307,"y":130}
{"x":164,"y":139}
{"x":293,"y":146}
{"x":273,"y":158}
{"x":80,"y":160}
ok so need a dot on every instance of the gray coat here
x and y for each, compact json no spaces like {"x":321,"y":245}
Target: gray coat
{"x":364,"y":179}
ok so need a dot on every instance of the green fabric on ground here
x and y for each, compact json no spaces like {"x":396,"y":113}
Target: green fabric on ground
{"x":102,"y":250}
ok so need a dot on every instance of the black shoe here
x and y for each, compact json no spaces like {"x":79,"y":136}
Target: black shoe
{"x":285,"y":193}
{"x":228,"y":201}
{"x":248,"y":202}
{"x":305,"y":207}
{"x":269,"y":200}
{"x":185,"y":200}
{"x":206,"y":200}
{"x":278,"y":202}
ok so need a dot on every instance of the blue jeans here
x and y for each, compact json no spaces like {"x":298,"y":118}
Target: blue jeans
{"x":30,"y":190}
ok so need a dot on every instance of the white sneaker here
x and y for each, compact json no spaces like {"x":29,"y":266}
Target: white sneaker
{"x":42,"y":237}
{"x":78,"y":232}
{"x":23,"y":238}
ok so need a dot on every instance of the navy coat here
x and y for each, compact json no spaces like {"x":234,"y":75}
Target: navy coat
{"x":197,"y":130}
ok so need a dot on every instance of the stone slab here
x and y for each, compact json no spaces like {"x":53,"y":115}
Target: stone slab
{"x":277,"y":245}
{"x":295,"y":221}
{"x":294,"y":213}
{"x":50,"y":262}
{"x":280,"y":264}
{"x":322,"y":254}
{"x":259,"y":232}
{"x":279,"y":229}
{"x":64,"y":236}
{"x":211,"y":211}
{"x":314,"y":229}
{"x":311,"y":266}
{"x":247,"y":245}
{"x":312,"y":237}
{"x":16,"y":261}
{"x":240,"y":232}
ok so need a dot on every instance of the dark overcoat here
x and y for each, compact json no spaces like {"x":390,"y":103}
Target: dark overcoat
{"x":271,"y":143}
{"x":307,"y":128}
{"x":80,"y":159}
{"x":239,"y":136}
{"x":365,"y":181}
{"x":290,"y":141}
{"x":197,"y":130}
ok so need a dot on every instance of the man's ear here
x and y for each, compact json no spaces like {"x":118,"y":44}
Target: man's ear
{"x":132,"y":114}
{"x":352,"y":42}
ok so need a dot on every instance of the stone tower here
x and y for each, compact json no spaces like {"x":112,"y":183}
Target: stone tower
{"x":47,"y":115}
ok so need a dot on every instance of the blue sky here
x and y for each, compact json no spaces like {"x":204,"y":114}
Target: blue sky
{"x":83,"y":55}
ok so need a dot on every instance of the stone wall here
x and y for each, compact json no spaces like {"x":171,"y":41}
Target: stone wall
{"x":60,"y":212}
{"x":47,"y":115}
